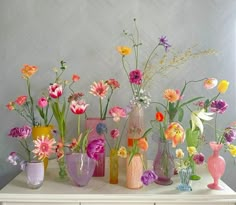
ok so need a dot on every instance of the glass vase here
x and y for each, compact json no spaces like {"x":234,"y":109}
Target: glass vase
{"x":38,"y":131}
{"x":163,"y":164}
{"x":185,"y":175}
{"x":216,"y":165}
{"x":80,"y":168}
{"x":114,"y":166}
{"x":62,"y":168}
{"x":134,"y":171}
{"x":91,"y":123}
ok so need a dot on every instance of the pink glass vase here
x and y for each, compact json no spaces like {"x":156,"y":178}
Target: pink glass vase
{"x":91,"y":123}
{"x":216,"y":166}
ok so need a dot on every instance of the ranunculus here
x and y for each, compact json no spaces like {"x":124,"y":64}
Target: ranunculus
{"x":148,"y":177}
{"x":229,"y":134}
{"x":210,"y":83}
{"x":78,"y":107}
{"x":117,"y":113}
{"x":198,"y":158}
{"x":219,"y":106}
{"x":42,"y":102}
{"x":115,"y":133}
{"x":135,"y":77}
{"x":171,"y":95}
{"x":55,"y":90}
{"x":95,"y":148}
{"x":223,"y":86}
{"x":28,"y":70}
{"x":21,"y":100}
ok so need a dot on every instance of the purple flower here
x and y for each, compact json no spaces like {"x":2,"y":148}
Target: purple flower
{"x":12,"y":158}
{"x":198,"y":158}
{"x":21,"y":132}
{"x":101,"y":128}
{"x":135,"y":77}
{"x":219,"y":106}
{"x":95,"y":148}
{"x":229,"y":134}
{"x":148,"y":177}
{"x":163,"y":42}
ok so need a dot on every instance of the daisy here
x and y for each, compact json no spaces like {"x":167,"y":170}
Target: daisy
{"x":99,"y":89}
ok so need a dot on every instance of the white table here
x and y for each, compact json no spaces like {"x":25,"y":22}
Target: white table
{"x":99,"y":191}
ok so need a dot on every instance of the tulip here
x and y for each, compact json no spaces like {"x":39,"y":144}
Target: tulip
{"x":159,"y":117}
{"x":75,"y":78}
{"x":95,"y":148}
{"x":176,"y":133}
{"x":42,"y":102}
{"x":55,"y":90}
{"x":223,"y":86}
{"x":78,"y":107}
{"x":142,"y":144}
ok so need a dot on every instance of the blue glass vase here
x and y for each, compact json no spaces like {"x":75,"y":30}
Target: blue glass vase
{"x":184,"y":175}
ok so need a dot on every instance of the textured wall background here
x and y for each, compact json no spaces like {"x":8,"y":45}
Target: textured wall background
{"x":85,"y":33}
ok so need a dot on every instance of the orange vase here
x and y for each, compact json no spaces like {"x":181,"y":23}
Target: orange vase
{"x":40,"y":131}
{"x":134,"y":172}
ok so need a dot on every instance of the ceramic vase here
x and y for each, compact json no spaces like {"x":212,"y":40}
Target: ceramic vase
{"x":216,"y":165}
{"x":91,"y":123}
{"x":80,"y":168}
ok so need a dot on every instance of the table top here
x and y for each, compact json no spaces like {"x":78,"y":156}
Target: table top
{"x":99,"y":189}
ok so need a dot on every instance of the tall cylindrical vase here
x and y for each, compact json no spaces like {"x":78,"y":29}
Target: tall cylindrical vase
{"x":91,"y":123}
{"x":114,"y":166}
{"x":38,"y":131}
{"x":163,"y":164}
{"x":34,"y":174}
{"x":134,"y":171}
{"x":216,"y":165}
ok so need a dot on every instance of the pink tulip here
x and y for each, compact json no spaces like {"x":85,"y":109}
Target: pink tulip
{"x":78,"y":107}
{"x":115,"y":133}
{"x":42,"y":102}
{"x":117,"y":113}
{"x":55,"y":90}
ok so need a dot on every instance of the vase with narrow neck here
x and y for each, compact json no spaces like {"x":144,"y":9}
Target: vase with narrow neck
{"x":35,"y":174}
{"x":216,"y":165}
{"x":114,"y":166}
{"x":184,"y":175}
{"x":38,"y":131}
{"x":134,"y":172}
{"x":163,"y":164}
{"x":80,"y":168}
{"x":91,"y":123}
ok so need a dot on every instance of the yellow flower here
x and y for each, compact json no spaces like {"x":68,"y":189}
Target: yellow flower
{"x":223,"y":86}
{"x":122,"y":152}
{"x":124,"y":50}
{"x":232,"y":150}
{"x":179,"y":153}
{"x":176,"y":133}
{"x":191,"y":150}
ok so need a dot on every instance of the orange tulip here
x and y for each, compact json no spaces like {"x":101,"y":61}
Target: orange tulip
{"x":142,"y":144}
{"x":176,"y":133}
{"x":159,"y":117}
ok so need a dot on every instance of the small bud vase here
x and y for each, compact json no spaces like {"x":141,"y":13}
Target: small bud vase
{"x":184,"y":175}
{"x":216,"y":166}
{"x":114,"y":166}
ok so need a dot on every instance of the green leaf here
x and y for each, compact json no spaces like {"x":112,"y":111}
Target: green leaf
{"x":189,"y":101}
{"x":180,"y":114}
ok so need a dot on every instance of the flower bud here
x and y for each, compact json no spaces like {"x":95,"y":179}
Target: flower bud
{"x":223,"y":86}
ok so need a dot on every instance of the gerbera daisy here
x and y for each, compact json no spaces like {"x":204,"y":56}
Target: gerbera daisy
{"x":99,"y":89}
{"x":44,"y":147}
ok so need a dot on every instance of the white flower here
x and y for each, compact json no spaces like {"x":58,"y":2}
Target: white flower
{"x":198,"y":116}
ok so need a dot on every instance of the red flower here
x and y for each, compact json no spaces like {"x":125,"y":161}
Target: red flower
{"x":113,"y":83}
{"x":159,"y":117}
{"x":10,"y":106}
{"x":75,"y":78}
{"x":55,"y":90}
{"x":21,"y":100}
{"x":78,"y":107}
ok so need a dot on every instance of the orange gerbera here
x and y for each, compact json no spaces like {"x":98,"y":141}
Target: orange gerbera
{"x":159,"y":116}
{"x":124,"y":50}
{"x":176,"y":133}
{"x":171,"y":95}
{"x":28,"y":70}
{"x":99,"y":89}
{"x":142,"y":144}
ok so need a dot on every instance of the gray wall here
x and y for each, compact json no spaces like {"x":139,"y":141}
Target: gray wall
{"x":85,"y":33}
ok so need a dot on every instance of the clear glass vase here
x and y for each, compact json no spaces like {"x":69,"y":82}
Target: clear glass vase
{"x":184,"y":175}
{"x":114,"y":167}
{"x":163,"y":164}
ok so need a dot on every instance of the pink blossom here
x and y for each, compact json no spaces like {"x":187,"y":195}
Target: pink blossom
{"x":117,"y":113}
{"x":135,"y":77}
{"x":78,"y":107}
{"x":21,"y":100}
{"x":198,"y":158}
{"x":42,"y":102}
{"x":115,"y":133}
{"x":55,"y":90}
{"x":95,"y":148}
{"x":20,"y":132}
{"x":210,"y":83}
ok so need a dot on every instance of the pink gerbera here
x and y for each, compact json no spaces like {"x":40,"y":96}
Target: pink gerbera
{"x":99,"y":89}
{"x":44,"y":147}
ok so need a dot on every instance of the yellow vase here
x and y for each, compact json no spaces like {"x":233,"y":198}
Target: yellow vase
{"x":40,"y":131}
{"x":114,"y":166}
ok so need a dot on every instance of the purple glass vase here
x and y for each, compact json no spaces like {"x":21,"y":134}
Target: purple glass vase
{"x":80,"y":168}
{"x":163,"y":164}
{"x":35,"y":174}
{"x":91,"y":123}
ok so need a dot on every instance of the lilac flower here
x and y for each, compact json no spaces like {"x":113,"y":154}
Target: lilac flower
{"x":163,"y":42}
{"x":219,"y":106}
{"x":101,"y":128}
{"x":21,"y":132}
{"x":135,"y":77}
{"x":95,"y":148}
{"x":198,"y":158}
{"x":23,"y":165}
{"x":12,"y":158}
{"x":148,"y":177}
{"x":229,"y":134}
